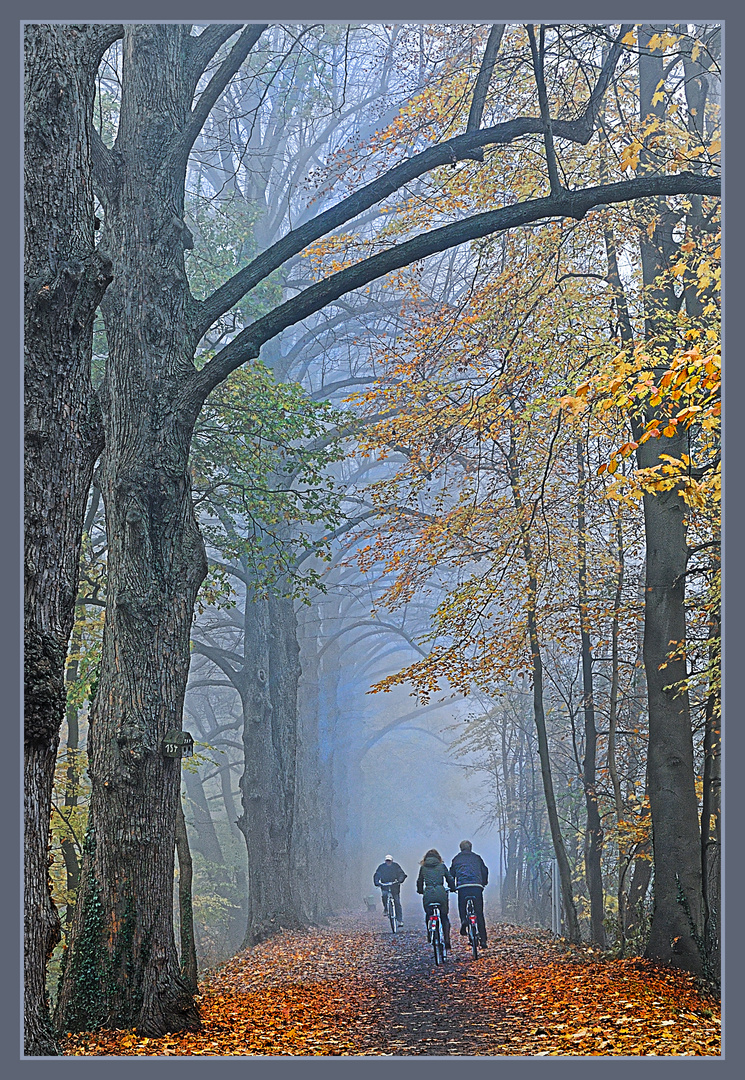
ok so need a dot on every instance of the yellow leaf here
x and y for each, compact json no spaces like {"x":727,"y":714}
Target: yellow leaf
{"x":630,"y":155}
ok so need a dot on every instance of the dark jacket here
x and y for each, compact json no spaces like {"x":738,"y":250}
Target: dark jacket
{"x":468,"y":868}
{"x":387,"y":873}
{"x":430,"y":883}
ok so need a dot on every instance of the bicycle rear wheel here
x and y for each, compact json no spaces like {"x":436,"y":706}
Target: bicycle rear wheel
{"x":437,"y":944}
{"x":473,"y":938}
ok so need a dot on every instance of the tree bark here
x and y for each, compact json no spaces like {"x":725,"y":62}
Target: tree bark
{"x":65,"y":277}
{"x":69,"y":849}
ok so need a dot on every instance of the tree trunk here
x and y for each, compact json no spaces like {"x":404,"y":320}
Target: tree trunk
{"x":594,"y":828}
{"x":72,"y":785}
{"x":64,"y":280}
{"x":185,"y":908}
{"x":711,"y":819}
{"x":508,"y":887}
{"x":635,"y":927}
{"x":677,"y":916}
{"x":570,"y":911}
{"x":313,"y":836}
{"x":206,"y":841}
{"x":676,"y":926}
{"x":269,"y":696}
{"x":612,"y":726}
{"x":123,"y":968}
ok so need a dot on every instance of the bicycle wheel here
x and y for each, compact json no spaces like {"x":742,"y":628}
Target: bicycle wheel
{"x":437,"y":946}
{"x":392,"y":914}
{"x":474,"y":939}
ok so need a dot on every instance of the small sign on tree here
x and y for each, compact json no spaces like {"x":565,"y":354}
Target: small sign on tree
{"x":178,"y":744}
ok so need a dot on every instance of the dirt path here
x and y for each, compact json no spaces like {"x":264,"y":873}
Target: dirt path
{"x":355,"y":989}
{"x":424,"y":1009}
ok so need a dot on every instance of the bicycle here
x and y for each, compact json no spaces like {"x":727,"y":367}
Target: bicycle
{"x":435,"y":935}
{"x":472,"y":928}
{"x":390,"y":907}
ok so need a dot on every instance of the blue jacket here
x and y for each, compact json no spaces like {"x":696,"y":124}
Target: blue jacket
{"x":387,"y":873}
{"x":468,"y":868}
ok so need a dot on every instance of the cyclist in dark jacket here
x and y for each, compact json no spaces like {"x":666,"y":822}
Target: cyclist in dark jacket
{"x":471,"y":875}
{"x":431,"y":885}
{"x":389,"y":873}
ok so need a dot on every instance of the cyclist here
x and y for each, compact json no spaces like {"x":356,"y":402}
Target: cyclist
{"x":471,"y":875}
{"x":431,"y":885}
{"x":389,"y":875}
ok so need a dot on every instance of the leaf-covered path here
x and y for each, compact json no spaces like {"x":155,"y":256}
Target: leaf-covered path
{"x":355,"y":989}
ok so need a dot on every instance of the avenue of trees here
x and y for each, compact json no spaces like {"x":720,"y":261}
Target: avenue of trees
{"x":367,"y":358}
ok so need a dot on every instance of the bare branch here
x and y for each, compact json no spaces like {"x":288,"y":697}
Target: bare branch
{"x":481,"y":88}
{"x":204,"y":47}
{"x":230,"y":65}
{"x":540,"y":82}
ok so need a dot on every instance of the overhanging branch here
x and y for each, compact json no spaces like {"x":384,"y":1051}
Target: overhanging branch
{"x":572,"y":204}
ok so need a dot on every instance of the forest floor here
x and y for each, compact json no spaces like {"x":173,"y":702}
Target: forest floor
{"x":356,"y":989}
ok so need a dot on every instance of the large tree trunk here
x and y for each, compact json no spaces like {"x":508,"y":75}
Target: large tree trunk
{"x":64,"y":280}
{"x":677,"y":917}
{"x":123,"y":967}
{"x":269,"y":696}
{"x":313,"y":835}
{"x":675,"y":933}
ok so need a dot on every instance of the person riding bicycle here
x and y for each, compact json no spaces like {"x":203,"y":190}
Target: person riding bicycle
{"x":389,"y":877}
{"x":471,"y":875}
{"x":431,"y":885}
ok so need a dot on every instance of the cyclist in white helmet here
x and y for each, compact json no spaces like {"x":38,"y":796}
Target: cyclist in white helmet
{"x":390,"y":875}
